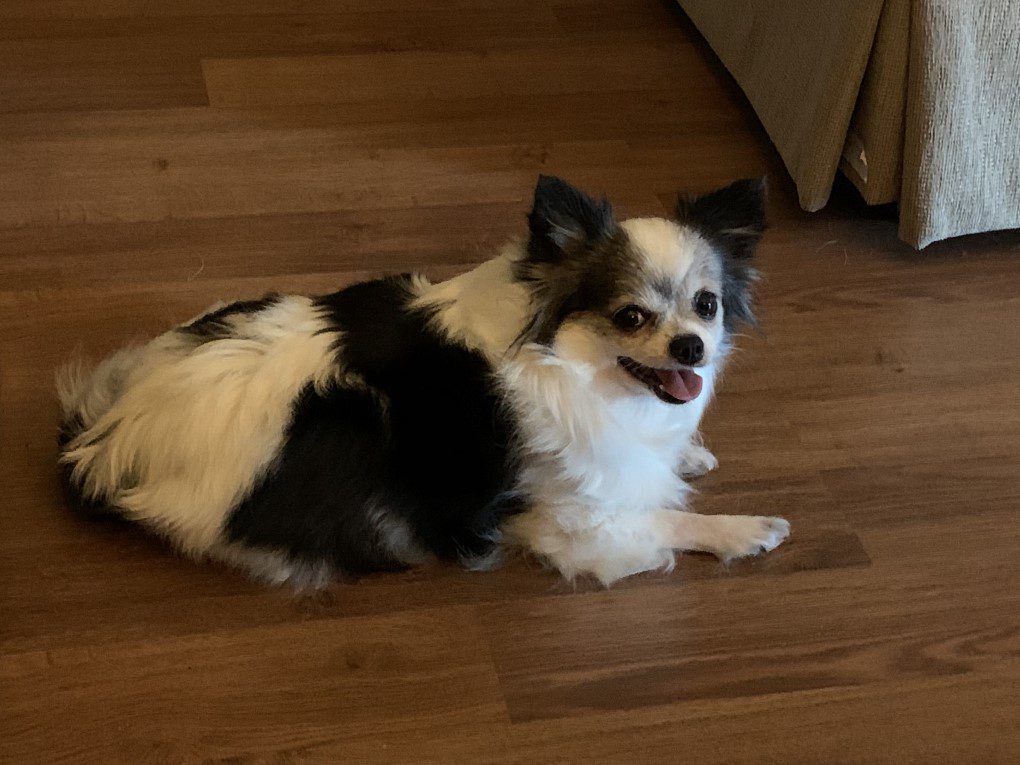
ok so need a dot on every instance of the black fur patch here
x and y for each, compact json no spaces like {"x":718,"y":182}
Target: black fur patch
{"x":436,"y":454}
{"x":577,"y":257}
{"x":214,"y":325}
{"x":562,"y":217}
{"x":70,"y":428}
{"x":733,"y":220}
{"x":75,"y":499}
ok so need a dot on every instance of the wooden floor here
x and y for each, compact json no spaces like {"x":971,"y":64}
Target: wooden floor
{"x":151,"y":164}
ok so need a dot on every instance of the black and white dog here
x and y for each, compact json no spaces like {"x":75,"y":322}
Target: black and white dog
{"x":548,"y":400}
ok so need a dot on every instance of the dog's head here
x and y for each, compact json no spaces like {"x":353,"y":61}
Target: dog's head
{"x":656,"y":298}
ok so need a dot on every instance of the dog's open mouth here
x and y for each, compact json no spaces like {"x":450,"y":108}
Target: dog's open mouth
{"x":674,"y":386}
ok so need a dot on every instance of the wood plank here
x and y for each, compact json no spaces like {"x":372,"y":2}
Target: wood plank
{"x":382,"y":685}
{"x":98,"y":9}
{"x":259,"y":250}
{"x":154,"y":165}
{"x":137,"y":60}
{"x":680,"y":645}
{"x":967,"y":720}
{"x":449,"y":74}
{"x":908,"y":494}
{"x":242,"y":173}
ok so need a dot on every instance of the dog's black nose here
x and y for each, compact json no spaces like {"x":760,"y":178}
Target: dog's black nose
{"x":687,"y":349}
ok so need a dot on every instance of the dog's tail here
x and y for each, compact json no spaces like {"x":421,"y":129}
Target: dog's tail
{"x":87,"y":392}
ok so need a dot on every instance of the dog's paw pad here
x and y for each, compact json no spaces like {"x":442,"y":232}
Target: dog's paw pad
{"x":751,"y":535}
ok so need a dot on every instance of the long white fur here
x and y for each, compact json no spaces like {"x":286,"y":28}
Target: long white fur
{"x":194,"y":426}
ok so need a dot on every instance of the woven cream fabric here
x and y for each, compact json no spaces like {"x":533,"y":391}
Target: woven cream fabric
{"x":961,"y":161}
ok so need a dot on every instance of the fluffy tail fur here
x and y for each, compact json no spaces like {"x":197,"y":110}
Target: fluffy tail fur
{"x":87,"y":392}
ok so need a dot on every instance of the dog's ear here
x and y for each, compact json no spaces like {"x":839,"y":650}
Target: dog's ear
{"x":562,"y":218}
{"x":733,"y":216}
{"x":733,"y":219}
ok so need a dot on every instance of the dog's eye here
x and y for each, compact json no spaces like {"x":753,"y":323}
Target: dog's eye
{"x":630,"y":317}
{"x":706,"y":304}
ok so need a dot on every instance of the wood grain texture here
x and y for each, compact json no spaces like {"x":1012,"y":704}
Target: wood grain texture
{"x":156,"y":161}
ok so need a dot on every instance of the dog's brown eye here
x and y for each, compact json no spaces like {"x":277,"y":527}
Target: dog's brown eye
{"x":706,"y":304}
{"x":630,"y":317}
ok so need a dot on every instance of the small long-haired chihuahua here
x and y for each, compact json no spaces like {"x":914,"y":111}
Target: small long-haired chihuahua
{"x":548,"y":401}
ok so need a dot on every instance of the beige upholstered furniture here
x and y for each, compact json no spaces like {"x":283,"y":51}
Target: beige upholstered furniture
{"x":917,"y":101}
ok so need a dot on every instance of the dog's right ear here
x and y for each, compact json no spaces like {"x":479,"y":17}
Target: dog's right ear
{"x":562,"y":218}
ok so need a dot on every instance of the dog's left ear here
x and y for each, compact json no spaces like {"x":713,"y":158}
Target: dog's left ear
{"x":733,"y":219}
{"x":563,"y":217}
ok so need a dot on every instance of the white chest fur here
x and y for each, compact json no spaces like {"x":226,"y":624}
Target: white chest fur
{"x":591,"y":444}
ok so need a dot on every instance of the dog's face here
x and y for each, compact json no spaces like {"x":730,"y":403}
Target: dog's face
{"x":654,"y":298}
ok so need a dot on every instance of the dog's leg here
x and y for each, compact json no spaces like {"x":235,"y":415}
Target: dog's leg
{"x":726,"y":536}
{"x":618,"y":547}
{"x":608,"y":550}
{"x":696,"y":460}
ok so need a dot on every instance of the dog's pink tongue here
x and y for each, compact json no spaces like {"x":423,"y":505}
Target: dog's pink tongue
{"x":681,"y":384}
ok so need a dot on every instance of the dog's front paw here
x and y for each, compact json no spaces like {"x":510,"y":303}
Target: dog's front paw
{"x":737,"y":536}
{"x":697,"y":460}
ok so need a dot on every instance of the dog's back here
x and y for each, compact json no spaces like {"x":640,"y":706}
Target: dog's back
{"x":293,"y":433}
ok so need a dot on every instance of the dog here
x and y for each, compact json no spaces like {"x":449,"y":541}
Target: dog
{"x":546,"y":401}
